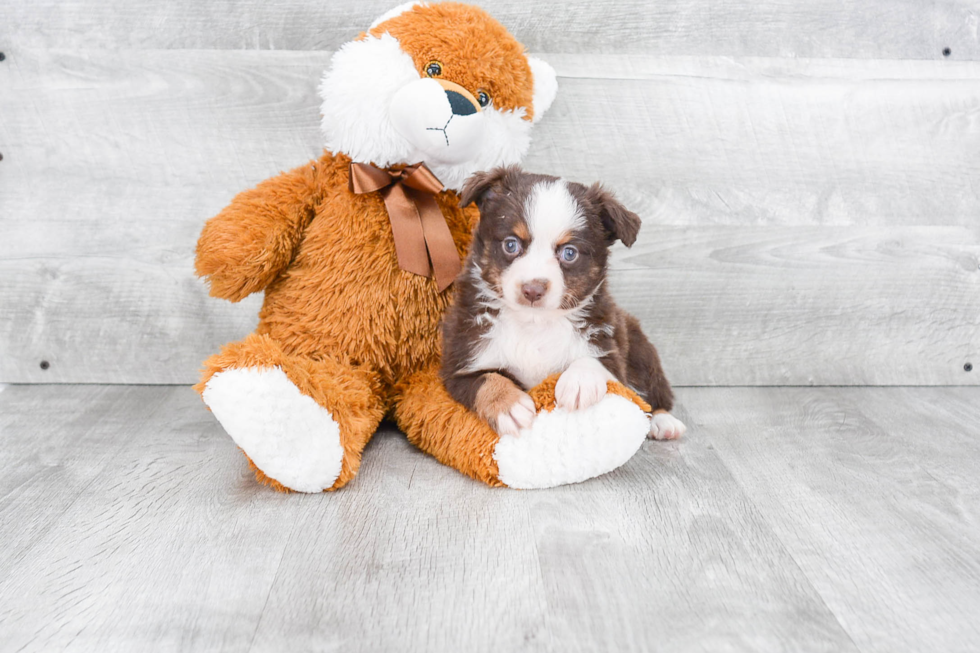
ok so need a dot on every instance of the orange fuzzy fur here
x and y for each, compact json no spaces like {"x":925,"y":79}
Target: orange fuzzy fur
{"x":340,"y":318}
{"x":462,"y":51}
{"x":348,"y":327}
{"x":543,"y":394}
{"x":344,"y":323}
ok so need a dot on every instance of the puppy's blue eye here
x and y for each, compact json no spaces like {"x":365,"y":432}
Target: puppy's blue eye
{"x":568,"y":254}
{"x":512,"y":246}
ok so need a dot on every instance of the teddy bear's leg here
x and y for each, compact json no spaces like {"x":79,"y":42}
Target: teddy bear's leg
{"x":302,"y":423}
{"x":560,"y":447}
{"x":445,"y":429}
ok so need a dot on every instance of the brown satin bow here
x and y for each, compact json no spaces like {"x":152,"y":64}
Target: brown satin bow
{"x":417,"y":224}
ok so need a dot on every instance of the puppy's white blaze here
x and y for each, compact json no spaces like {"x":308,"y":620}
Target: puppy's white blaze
{"x":551,"y":210}
{"x":551,"y":213}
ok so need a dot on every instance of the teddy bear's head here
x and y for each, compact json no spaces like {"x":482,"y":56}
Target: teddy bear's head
{"x":443,"y":84}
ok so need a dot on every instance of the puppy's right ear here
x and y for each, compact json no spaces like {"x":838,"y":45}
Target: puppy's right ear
{"x":481,"y":185}
{"x":619,"y":222}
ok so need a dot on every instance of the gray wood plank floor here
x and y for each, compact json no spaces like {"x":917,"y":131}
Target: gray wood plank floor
{"x":807,"y":519}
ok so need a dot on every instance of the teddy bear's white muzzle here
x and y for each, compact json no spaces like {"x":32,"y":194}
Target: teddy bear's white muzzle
{"x":440,"y":123}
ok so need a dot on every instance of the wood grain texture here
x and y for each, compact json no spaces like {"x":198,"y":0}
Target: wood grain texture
{"x":873,"y":491}
{"x":770,"y":141}
{"x":112,"y":164}
{"x":903,"y":29}
{"x":171,"y":136}
{"x":725,"y":306}
{"x":807,"y":305}
{"x":172,"y":546}
{"x":147,"y":531}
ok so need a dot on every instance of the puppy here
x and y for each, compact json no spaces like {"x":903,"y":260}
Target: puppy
{"x":532,"y":302}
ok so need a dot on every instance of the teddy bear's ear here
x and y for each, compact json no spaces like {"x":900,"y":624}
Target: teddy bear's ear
{"x":479,"y":187}
{"x":545,"y":86}
{"x":619,"y":222}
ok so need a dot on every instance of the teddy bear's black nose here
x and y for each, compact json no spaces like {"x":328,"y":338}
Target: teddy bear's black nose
{"x":460,"y":105}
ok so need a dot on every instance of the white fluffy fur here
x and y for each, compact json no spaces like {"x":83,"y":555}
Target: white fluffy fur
{"x":569,"y":447}
{"x":531,"y":343}
{"x":545,"y":86}
{"x":422,"y":115}
{"x":359,"y":93}
{"x":287,"y":434}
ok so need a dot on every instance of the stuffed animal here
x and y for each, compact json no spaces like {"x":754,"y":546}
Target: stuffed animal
{"x":356,"y":252}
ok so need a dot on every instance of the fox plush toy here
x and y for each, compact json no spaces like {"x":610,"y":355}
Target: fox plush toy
{"x":357,"y":251}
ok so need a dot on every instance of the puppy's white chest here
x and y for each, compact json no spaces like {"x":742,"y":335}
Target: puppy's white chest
{"x":531,"y":348}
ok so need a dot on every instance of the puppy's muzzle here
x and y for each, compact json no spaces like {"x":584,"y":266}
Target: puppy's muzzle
{"x":535,"y":289}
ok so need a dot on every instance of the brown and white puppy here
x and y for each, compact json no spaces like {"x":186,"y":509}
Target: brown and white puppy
{"x":532,"y":302}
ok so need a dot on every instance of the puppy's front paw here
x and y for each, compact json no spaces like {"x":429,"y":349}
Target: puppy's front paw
{"x":582,"y":385}
{"x":664,"y":426}
{"x":507,"y":408}
{"x":519,"y":416}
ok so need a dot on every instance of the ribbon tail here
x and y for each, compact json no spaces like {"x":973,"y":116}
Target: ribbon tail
{"x":406,"y":229}
{"x":438,"y":240}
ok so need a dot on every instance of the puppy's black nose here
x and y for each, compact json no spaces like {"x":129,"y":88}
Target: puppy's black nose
{"x":460,"y":105}
{"x":535,"y":289}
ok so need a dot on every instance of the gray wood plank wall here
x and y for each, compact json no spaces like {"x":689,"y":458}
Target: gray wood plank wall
{"x":886,"y":29}
{"x":807,"y":174}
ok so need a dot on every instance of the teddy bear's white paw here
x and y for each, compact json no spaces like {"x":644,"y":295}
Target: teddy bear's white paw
{"x":664,"y":426}
{"x":290,"y":437}
{"x":565,"y":446}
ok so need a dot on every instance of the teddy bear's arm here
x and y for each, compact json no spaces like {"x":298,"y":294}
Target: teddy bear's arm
{"x":243,"y":248}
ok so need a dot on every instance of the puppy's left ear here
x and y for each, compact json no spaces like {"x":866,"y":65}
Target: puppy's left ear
{"x":619,"y":222}
{"x":479,"y":186}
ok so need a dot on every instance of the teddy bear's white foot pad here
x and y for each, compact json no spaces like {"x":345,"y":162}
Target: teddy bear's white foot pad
{"x":290,"y":437}
{"x":564,"y":446}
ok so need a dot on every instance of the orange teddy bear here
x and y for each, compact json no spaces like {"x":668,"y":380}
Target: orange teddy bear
{"x":356,"y":251}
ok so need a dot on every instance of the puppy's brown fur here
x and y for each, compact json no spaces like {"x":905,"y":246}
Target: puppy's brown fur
{"x":627,"y":354}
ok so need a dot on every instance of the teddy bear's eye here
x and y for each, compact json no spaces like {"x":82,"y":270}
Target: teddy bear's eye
{"x":482,"y":98}
{"x":433,"y":69}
